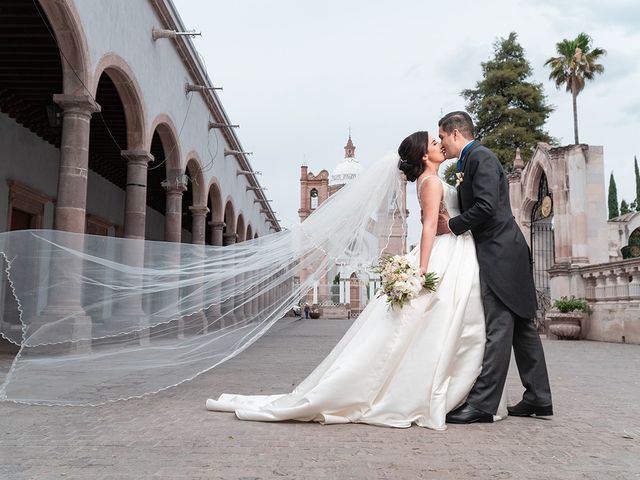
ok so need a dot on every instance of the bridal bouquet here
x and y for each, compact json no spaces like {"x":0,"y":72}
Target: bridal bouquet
{"x":401,"y":279}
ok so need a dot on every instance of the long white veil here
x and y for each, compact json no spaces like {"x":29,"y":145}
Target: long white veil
{"x":100,"y":319}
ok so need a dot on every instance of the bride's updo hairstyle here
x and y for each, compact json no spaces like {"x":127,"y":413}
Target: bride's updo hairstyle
{"x":411,"y":151}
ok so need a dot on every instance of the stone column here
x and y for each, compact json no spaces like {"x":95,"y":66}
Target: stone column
{"x":135,"y":208}
{"x":74,"y":161}
{"x":600,"y":286}
{"x":347,"y":291}
{"x":214,"y":312}
{"x":610,"y":285}
{"x":217,"y":229}
{"x":64,"y":299}
{"x":622,"y":286}
{"x":634,"y":286}
{"x":174,"y":187}
{"x":199,"y":214}
{"x":342,"y":296}
{"x":173,"y":217}
{"x":229,"y":305}
{"x":230,"y":238}
{"x":315,"y":292}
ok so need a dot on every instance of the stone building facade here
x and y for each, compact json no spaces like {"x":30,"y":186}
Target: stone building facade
{"x":118,"y":133}
{"x":110,"y":125}
{"x":558,"y":199}
{"x":346,"y":290}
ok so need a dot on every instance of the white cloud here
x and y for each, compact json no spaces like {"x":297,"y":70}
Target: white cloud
{"x":295,"y":74}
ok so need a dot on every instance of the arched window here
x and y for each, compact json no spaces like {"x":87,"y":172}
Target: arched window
{"x":314,"y":198}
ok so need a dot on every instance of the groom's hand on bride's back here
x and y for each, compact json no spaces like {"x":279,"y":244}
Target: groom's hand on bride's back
{"x":443,"y":224}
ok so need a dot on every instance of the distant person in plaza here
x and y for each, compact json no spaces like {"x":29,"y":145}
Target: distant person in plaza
{"x":306,"y":310}
{"x":441,"y":360}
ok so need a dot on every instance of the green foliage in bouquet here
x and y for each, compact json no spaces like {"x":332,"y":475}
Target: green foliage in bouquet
{"x":401,"y":280}
{"x":430,"y":282}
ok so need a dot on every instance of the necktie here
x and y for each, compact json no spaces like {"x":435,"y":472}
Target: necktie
{"x":462,"y":154}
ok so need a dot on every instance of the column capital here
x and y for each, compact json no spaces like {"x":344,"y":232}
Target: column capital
{"x":217,"y":225}
{"x":76,"y":103}
{"x":174,"y":188}
{"x":197,"y":210}
{"x":141,"y":157}
{"x":230,"y":238}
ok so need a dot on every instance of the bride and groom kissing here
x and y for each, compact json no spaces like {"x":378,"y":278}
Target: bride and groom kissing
{"x":444,"y":357}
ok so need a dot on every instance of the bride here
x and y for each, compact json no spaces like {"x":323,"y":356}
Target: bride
{"x":398,"y":367}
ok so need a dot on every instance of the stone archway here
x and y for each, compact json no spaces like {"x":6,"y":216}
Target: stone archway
{"x":215,"y":216}
{"x":542,"y":243}
{"x":240,"y":229}
{"x":194,"y":201}
{"x":229,"y":231}
{"x":163,"y":178}
{"x":67,"y":29}
{"x":130,"y":96}
{"x":632,"y":249}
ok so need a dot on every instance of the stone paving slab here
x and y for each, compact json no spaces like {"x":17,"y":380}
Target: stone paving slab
{"x":595,"y":433}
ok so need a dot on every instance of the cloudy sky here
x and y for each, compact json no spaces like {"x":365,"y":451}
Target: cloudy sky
{"x":296,"y":74}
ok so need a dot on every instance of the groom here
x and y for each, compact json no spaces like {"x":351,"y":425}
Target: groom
{"x":506,"y":281}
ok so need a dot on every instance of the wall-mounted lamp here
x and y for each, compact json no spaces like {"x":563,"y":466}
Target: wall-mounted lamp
{"x":180,"y":181}
{"x":221,"y":125}
{"x":54,"y":115}
{"x":157,"y":33}
{"x":246,"y":172}
{"x":190,"y":87}
{"x":228,"y":152}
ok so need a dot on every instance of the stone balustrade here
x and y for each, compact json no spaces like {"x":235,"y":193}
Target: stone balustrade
{"x":613,"y":293}
{"x":612,"y":282}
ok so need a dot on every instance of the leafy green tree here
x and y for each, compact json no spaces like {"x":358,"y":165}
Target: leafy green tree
{"x":624,"y":207}
{"x":636,"y":204}
{"x":509,"y":110}
{"x":449,"y":174}
{"x":576,"y":63}
{"x":613,"y":198}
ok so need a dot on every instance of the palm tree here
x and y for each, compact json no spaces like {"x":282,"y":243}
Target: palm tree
{"x":576,"y":62}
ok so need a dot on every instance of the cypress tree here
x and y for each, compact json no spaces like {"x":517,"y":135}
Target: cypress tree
{"x":624,"y":207}
{"x":637,"y":202}
{"x":613,"y":198}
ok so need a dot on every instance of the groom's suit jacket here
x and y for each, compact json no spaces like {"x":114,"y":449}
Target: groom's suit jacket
{"x":503,"y":253}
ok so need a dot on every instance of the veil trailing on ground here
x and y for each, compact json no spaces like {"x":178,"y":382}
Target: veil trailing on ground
{"x":100,"y":319}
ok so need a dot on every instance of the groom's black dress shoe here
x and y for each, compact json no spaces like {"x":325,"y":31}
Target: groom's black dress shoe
{"x":524,"y":409}
{"x":467,"y":414}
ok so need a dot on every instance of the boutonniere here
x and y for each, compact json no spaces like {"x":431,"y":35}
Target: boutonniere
{"x":459,"y":178}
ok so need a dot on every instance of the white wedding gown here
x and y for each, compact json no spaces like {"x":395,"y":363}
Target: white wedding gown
{"x":396,"y":367}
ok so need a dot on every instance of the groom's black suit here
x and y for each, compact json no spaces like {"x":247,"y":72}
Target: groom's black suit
{"x":506,"y":280}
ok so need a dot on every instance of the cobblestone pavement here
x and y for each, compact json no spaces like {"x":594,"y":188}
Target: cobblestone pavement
{"x":595,"y":433}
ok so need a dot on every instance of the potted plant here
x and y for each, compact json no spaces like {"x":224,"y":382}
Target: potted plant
{"x":566,"y":317}
{"x":315,"y":311}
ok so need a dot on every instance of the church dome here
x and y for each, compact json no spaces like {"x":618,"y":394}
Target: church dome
{"x":347,"y":169}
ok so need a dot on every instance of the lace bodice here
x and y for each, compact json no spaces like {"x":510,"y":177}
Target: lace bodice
{"x":449,"y":202}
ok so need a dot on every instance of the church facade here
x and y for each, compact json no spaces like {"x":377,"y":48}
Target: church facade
{"x":558,"y":199}
{"x":346,"y":289}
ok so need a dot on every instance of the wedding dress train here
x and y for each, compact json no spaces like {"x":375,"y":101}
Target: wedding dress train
{"x":395,"y":367}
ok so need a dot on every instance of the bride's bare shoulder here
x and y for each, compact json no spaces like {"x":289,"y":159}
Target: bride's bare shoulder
{"x":429,"y":183}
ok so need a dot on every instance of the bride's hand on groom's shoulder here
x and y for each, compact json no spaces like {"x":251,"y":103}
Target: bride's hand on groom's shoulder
{"x":443,"y":224}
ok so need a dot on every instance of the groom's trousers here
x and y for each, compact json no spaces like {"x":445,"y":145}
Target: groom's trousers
{"x":504,"y":330}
